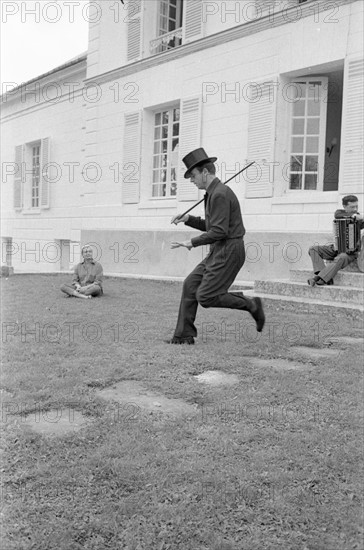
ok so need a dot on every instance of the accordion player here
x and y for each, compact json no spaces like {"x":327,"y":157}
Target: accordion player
{"x":347,"y":235}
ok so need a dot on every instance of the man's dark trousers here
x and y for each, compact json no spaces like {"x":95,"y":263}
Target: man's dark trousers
{"x":208,"y":285}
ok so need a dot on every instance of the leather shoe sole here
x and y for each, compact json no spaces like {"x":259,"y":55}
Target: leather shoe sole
{"x":189,"y":340}
{"x":258,"y":314}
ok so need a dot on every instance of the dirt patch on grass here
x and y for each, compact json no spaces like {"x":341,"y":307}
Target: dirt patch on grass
{"x":316,"y":353}
{"x":134,"y":394}
{"x":217,"y":378}
{"x":55,"y":422}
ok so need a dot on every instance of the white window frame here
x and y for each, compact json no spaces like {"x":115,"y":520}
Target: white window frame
{"x":321,"y":136}
{"x":36,"y":152}
{"x":172,"y":153}
{"x":163,"y":36}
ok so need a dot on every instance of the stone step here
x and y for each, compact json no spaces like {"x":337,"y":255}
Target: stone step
{"x":342,"y":278}
{"x":310,"y":305}
{"x":343,"y":294}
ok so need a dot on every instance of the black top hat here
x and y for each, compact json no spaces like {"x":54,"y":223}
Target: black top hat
{"x":195,"y":158}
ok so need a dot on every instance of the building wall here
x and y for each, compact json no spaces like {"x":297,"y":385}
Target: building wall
{"x":217,"y":67}
{"x":45,"y":109}
{"x":218,"y":75}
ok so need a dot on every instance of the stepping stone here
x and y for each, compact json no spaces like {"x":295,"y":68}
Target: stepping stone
{"x":278,"y":364}
{"x":58,"y":422}
{"x":217,"y":378}
{"x":316,"y":353}
{"x":350,"y":340}
{"x":135,"y":397}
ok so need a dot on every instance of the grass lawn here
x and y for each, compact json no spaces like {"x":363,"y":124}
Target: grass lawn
{"x":272,"y":462}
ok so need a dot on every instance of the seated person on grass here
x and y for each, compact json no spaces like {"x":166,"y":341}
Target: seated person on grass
{"x":324,"y":275}
{"x":87,"y":278}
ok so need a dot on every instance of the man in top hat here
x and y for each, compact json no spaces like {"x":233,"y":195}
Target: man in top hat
{"x":223,"y":229}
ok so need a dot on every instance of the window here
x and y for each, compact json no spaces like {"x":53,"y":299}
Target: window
{"x":165,"y":152}
{"x":308,"y":129}
{"x":169,"y":26}
{"x":35,"y":175}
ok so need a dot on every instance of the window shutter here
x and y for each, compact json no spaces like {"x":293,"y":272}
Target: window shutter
{"x":134,"y":18}
{"x":190,"y":139}
{"x":192,"y":20}
{"x":351,"y":164}
{"x":44,"y":182}
{"x":261,"y":139}
{"x":131,"y":158}
{"x":18,"y":184}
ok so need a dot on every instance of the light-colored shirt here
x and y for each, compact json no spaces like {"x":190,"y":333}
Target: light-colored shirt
{"x":87,"y":273}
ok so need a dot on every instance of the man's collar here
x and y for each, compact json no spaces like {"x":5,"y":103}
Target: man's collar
{"x":92,"y":261}
{"x":212,"y":185}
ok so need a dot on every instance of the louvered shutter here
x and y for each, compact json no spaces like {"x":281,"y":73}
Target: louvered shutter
{"x":18,"y":184}
{"x":190,"y":139}
{"x":135,"y":21}
{"x":44,"y":183}
{"x":131,"y":158}
{"x":261,"y":139}
{"x":192,"y":20}
{"x":351,"y":163}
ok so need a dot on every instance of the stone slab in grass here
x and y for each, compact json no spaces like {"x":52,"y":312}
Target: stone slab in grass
{"x":132,"y":392}
{"x":217,"y":378}
{"x":316,"y":353}
{"x":350,"y":340}
{"x":277,"y":364}
{"x":55,"y":422}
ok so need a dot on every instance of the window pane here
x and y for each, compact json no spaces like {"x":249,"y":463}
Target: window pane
{"x":311,"y":163}
{"x":296,"y":91}
{"x":173,"y":189}
{"x":299,"y":108}
{"x":313,"y":126}
{"x":164,"y":146}
{"x":297,"y":145}
{"x":156,"y":162}
{"x":176,"y":115}
{"x":298,"y":126}
{"x":155,"y":176}
{"x":165,"y":117}
{"x":157,"y":133}
{"x":312,"y":145}
{"x":296,"y":163}
{"x":176,"y":129}
{"x":295,"y":181}
{"x":157,"y":119}
{"x":164,"y":132}
{"x":313,"y":108}
{"x":314,"y":91}
{"x":157,"y":147}
{"x":157,"y":190}
{"x":311,"y":181}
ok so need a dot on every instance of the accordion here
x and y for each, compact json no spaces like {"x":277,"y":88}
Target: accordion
{"x":347,"y":235}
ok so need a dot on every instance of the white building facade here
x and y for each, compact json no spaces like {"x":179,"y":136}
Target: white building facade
{"x":275,"y":82}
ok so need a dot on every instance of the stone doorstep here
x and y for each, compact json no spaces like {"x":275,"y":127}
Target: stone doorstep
{"x":343,"y":278}
{"x":344,"y":294}
{"x":309,"y":305}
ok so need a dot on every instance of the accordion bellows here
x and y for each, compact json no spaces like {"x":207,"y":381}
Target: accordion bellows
{"x":347,"y":235}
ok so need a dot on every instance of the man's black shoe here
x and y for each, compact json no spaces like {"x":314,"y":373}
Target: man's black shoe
{"x":189,"y":340}
{"x":258,"y":314}
{"x":321,"y":282}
